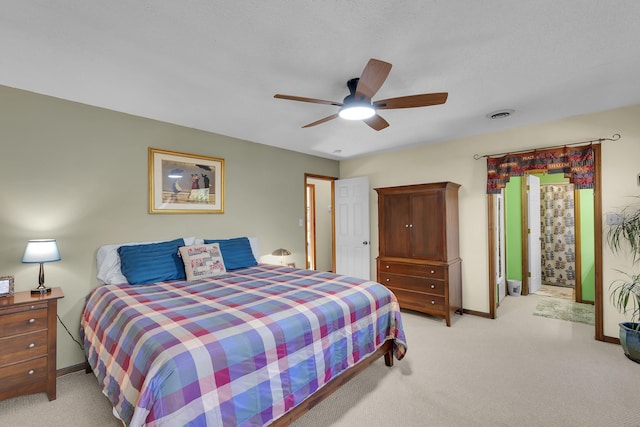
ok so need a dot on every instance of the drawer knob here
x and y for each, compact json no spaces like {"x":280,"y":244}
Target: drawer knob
{"x":433,"y":286}
{"x":433,"y":271}
{"x":32,"y":307}
{"x":433,"y":302}
{"x":32,"y":320}
{"x":386,"y":266}
{"x":388,"y":280}
{"x":32,"y":345}
{"x":406,"y":226}
{"x":31,"y":372}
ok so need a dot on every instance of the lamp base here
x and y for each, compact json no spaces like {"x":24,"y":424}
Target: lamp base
{"x":40,"y":291}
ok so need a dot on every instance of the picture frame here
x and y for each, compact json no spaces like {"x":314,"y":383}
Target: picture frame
{"x":6,"y":286}
{"x":185,"y":183}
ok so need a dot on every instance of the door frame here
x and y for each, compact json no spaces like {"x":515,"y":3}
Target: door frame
{"x":332,"y":179}
{"x":578,"y":252}
{"x":597,"y":217}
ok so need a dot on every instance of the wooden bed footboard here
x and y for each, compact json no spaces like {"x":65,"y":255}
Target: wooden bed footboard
{"x":385,"y":350}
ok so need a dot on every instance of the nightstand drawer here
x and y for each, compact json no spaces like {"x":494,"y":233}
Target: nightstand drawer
{"x":23,"y":322}
{"x":413,"y":283}
{"x":23,"y":347}
{"x":23,"y":378}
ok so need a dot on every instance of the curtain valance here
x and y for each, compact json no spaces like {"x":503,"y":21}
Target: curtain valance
{"x":576,"y":163}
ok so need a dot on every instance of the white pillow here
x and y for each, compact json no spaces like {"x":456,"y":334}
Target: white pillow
{"x":108,"y":260}
{"x":202,"y":261}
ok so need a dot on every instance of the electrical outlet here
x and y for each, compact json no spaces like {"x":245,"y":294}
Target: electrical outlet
{"x":613,"y":219}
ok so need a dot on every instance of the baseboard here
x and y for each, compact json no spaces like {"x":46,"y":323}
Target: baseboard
{"x":477,"y":313}
{"x":611,"y":340}
{"x":84,"y":366}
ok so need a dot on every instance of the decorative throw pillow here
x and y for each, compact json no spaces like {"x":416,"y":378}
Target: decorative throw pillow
{"x":202,"y":261}
{"x":237,"y":252}
{"x":150,"y":263}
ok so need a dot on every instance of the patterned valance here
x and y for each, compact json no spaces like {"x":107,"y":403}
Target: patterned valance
{"x":576,"y":163}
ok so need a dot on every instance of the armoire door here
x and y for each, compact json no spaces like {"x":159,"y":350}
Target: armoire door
{"x":397,"y":219}
{"x":427,"y":219}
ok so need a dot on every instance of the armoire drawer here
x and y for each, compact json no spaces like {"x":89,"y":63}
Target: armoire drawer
{"x":413,"y":283}
{"x":423,"y":270}
{"x":419,"y":301}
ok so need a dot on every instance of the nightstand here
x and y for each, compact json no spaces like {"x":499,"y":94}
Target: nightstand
{"x":28,"y":343}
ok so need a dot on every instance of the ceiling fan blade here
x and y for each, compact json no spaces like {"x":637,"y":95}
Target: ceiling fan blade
{"x":372,"y":78}
{"x":376,"y":122}
{"x":303,"y":99}
{"x":411,"y":101}
{"x":326,"y":119}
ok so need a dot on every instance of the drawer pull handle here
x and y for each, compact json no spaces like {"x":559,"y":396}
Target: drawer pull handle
{"x":31,"y":372}
{"x":32,"y":345}
{"x":32,"y":320}
{"x":433,"y":286}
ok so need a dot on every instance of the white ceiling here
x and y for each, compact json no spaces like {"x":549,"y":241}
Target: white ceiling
{"x":215,"y":65}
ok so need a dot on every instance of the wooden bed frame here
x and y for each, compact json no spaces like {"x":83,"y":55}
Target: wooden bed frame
{"x":385,"y":350}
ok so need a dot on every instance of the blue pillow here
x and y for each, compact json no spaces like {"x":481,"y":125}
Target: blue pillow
{"x":236,"y":253}
{"x":153,"y":262}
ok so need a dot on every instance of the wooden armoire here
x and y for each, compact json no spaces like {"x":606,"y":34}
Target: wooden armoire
{"x":419,"y":250}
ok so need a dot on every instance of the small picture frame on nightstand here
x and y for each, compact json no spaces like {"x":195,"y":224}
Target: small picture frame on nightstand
{"x":6,"y":286}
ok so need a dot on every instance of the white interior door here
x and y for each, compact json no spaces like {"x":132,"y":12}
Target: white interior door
{"x":499,"y":256}
{"x":533,"y":224}
{"x":352,"y":227}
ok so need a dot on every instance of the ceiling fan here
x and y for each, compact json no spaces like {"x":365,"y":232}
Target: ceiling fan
{"x":358,"y":104}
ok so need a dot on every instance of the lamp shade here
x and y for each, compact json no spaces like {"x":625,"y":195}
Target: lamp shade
{"x":281,"y":252}
{"x":41,"y":250}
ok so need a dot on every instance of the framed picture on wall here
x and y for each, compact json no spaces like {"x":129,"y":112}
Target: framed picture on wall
{"x":185,"y":183}
{"x":6,"y":286}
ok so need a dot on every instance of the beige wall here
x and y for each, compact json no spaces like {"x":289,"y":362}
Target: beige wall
{"x":79,"y":174}
{"x":453,"y":161}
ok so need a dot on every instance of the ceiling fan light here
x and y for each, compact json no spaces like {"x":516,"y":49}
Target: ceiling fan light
{"x":356,"y":112}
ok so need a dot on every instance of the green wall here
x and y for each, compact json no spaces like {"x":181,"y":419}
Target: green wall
{"x":513,"y":212}
{"x":513,"y":209}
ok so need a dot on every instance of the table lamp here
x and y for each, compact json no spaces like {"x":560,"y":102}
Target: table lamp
{"x":41,"y":251}
{"x":281,"y":253}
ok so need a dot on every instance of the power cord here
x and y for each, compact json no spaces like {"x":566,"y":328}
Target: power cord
{"x":67,"y":329}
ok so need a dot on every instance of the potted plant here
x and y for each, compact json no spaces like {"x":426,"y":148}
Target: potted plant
{"x":625,"y":292}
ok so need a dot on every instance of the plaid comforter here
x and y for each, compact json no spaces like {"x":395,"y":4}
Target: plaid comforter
{"x":240,"y":349}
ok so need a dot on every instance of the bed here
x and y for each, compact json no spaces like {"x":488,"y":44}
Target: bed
{"x":249,"y":346}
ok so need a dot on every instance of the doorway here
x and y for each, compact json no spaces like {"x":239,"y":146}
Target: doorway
{"x":319,"y":223}
{"x":596,"y":239}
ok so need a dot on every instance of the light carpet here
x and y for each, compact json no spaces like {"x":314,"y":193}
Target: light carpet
{"x":556,"y":308}
{"x":517,"y":370}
